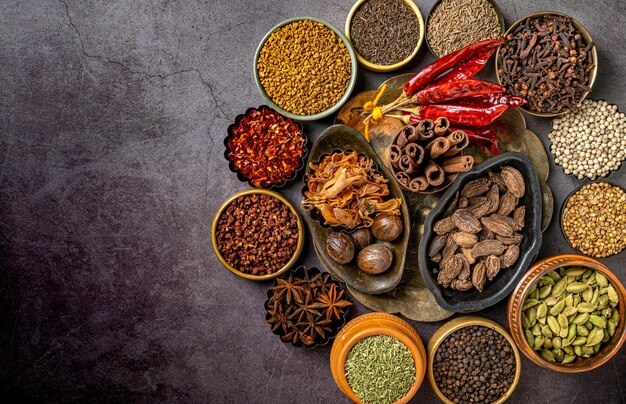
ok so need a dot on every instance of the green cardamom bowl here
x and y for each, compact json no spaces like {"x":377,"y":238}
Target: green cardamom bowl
{"x":530,"y":278}
{"x":346,"y":95}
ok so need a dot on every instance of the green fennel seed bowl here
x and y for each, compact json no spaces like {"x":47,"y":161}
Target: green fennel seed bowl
{"x":332,"y":109}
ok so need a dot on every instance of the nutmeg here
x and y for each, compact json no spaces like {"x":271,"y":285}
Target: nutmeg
{"x":374,"y":259}
{"x":340,"y":247}
{"x":387,"y":227}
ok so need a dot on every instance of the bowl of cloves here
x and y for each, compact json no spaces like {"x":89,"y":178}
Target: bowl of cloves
{"x":551,"y":60}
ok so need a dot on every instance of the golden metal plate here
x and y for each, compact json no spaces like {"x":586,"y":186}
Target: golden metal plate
{"x":411,"y":297}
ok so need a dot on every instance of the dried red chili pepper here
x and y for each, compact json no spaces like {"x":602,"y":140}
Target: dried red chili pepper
{"x":490,"y":100}
{"x":266,"y":147}
{"x":452,"y":91}
{"x":435,"y":69}
{"x":469,"y":68}
{"x":462,"y":115}
{"x":484,"y":137}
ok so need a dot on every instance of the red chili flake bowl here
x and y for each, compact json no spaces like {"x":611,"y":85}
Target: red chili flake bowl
{"x":265,"y":148}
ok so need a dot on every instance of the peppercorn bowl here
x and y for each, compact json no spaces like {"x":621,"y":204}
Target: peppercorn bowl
{"x":522,"y":291}
{"x":329,"y":110}
{"x":386,"y":68}
{"x":455,"y":325}
{"x":306,"y":307}
{"x":586,"y":36}
{"x":299,"y":244}
{"x":372,"y":324}
{"x":243,"y":146}
{"x":506,"y":279}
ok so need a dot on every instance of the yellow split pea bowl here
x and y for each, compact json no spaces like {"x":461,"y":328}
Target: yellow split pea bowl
{"x":388,"y":68}
{"x":332,"y":109}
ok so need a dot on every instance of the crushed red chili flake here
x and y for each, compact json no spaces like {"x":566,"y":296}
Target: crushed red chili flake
{"x":266,"y":147}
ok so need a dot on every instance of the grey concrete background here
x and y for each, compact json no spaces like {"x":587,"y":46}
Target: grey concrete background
{"x":112,"y":116}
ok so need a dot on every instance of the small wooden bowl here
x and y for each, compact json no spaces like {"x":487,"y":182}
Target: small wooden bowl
{"x":299,"y":245}
{"x":456,"y":324}
{"x":386,"y":68}
{"x":586,"y":35}
{"x":533,"y":275}
{"x":368,"y":325}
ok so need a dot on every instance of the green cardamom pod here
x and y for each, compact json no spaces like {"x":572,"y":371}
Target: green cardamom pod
{"x":568,"y":311}
{"x":542,"y":310}
{"x":554,"y":275}
{"x":610,"y":328}
{"x":545,"y":331}
{"x":606,"y":338}
{"x":532,"y":315}
{"x":594,"y":337}
{"x":579,"y":341}
{"x":612,"y":294}
{"x":571,"y":332}
{"x":588,"y":273}
{"x":591,"y":281}
{"x":525,"y":321}
{"x":605,"y":290}
{"x":569,"y":301}
{"x":596,"y":296}
{"x":547,"y":355}
{"x":551,"y":301}
{"x":542,"y":320}
{"x":559,"y":288}
{"x":587,"y":351}
{"x":582,"y":330}
{"x":554,"y":325}
{"x":532,"y":289}
{"x":536,"y":330}
{"x":588,"y":294}
{"x":563,"y":332}
{"x":529,"y":337}
{"x":539,"y":342}
{"x":569,"y":350}
{"x":601,"y":279}
{"x":558,"y":354}
{"x":557,"y":308}
{"x":589,"y":325}
{"x":534,"y":295}
{"x":578,"y":350}
{"x":546,"y":280}
{"x":568,"y":358}
{"x":597,"y":321}
{"x":614,"y":318}
{"x":577,"y":287}
{"x":606,"y":313}
{"x":585,"y":307}
{"x":547,"y":343}
{"x":562,"y":320}
{"x":528,"y":303}
{"x":557,"y":343}
{"x":576,"y":300}
{"x":575,"y":271}
{"x":603,"y":302}
{"x":581,"y":318}
{"x":545,"y":291}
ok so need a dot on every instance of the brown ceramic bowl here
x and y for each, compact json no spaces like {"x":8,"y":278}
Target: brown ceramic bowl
{"x":456,"y":324}
{"x":521,"y":291}
{"x":369,"y":325}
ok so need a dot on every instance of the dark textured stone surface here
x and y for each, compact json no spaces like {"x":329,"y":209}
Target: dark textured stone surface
{"x":111,"y":121}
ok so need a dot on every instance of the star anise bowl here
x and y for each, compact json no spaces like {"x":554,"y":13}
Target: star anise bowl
{"x":303,"y":311}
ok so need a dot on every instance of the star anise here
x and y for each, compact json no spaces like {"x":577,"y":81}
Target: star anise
{"x":289,"y":288}
{"x":333,"y":302}
{"x":307,"y":306}
{"x":280,"y":318}
{"x":313,"y":327}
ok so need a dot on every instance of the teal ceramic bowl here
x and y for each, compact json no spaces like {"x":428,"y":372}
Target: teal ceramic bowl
{"x":330,"y":110}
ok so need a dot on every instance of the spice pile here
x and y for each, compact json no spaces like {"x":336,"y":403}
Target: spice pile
{"x":594,"y":219}
{"x":265,"y":147}
{"x":424,"y":155}
{"x":591,"y":141}
{"x":483,"y":223}
{"x":569,"y":314}
{"x":384,"y":32}
{"x":474,"y":365}
{"x":380,"y":369}
{"x":305,"y":309}
{"x":257,"y":234}
{"x":304,"y":67}
{"x":547,"y":61}
{"x":346,"y":190}
{"x":455,"y":24}
{"x":372,"y":258}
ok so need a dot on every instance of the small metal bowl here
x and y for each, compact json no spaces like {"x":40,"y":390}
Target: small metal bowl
{"x":242,"y":177}
{"x":585,"y":179}
{"x":438,"y":2}
{"x":456,"y":324}
{"x":299,"y":245}
{"x":336,"y":325}
{"x":588,"y":39}
{"x":387,"y":68}
{"x":562,"y":212}
{"x":346,"y":94}
{"x":516,"y":301}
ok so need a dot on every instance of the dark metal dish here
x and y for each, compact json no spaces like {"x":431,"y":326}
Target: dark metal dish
{"x":506,"y":280}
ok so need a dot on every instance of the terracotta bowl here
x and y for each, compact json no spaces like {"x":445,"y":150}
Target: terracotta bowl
{"x":521,"y":291}
{"x":368,"y":325}
{"x":462,"y":322}
{"x":299,"y":245}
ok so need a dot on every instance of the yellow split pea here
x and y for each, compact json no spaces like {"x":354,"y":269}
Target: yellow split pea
{"x":304,"y":67}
